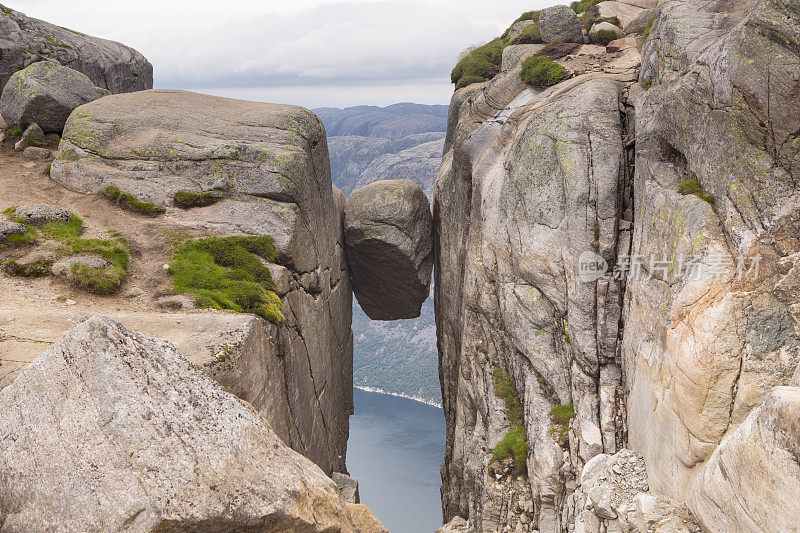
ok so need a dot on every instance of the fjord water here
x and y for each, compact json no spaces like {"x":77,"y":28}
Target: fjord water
{"x":395,"y":449}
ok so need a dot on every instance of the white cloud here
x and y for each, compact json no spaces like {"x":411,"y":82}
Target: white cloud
{"x":317,"y":44}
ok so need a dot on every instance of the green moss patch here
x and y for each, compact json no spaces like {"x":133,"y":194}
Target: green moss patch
{"x":481,"y":63}
{"x":127,"y":201}
{"x":559,"y":427}
{"x":15,"y":131}
{"x":692,"y":186}
{"x":603,"y":37}
{"x":530,"y":35}
{"x":649,"y":27}
{"x":63,"y":230}
{"x":542,"y":72}
{"x":514,"y":444}
{"x":36,"y":269}
{"x":582,"y":5}
{"x":528,"y":15}
{"x":226,"y":273}
{"x":187,"y":200}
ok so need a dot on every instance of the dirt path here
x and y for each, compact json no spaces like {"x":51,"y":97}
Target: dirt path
{"x":36,"y":312}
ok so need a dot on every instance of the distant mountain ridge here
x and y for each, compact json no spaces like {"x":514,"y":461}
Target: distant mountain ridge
{"x":368,"y":143}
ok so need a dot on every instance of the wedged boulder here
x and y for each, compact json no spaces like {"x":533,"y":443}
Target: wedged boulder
{"x":45,"y":93}
{"x":752,"y":481}
{"x":560,"y":23}
{"x":110,"y":65}
{"x":110,"y":430}
{"x":389,"y":236}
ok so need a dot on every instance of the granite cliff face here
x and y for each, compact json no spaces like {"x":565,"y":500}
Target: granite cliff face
{"x":656,"y":159}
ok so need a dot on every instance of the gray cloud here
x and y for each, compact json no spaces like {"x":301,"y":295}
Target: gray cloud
{"x":309,"y":43}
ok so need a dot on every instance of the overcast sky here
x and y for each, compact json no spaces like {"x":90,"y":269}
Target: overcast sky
{"x":308,"y":52}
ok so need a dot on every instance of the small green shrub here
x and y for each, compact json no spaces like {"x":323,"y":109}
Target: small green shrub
{"x":514,"y":444}
{"x":528,"y":15}
{"x":226,"y":273}
{"x":47,"y":169}
{"x":469,"y":80}
{"x":482,"y":63}
{"x":603,"y":37}
{"x":15,"y":131}
{"x":5,"y":10}
{"x":127,"y":201}
{"x":98,"y":280}
{"x":582,"y":5}
{"x":646,"y":33}
{"x":36,"y":269}
{"x":504,"y":389}
{"x":530,"y":35}
{"x":542,"y":72}
{"x":186,"y":199}
{"x":30,"y":236}
{"x":559,"y":429}
{"x":692,"y":186}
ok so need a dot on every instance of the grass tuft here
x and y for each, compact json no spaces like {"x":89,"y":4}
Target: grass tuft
{"x":603,"y":37}
{"x":36,"y":269}
{"x":530,"y":35}
{"x":187,"y":200}
{"x":528,"y":15}
{"x":63,"y":230}
{"x":514,"y":444}
{"x":127,"y":201}
{"x":542,"y":72}
{"x":582,"y":5}
{"x":226,"y":273}
{"x":648,"y":28}
{"x":692,"y":186}
{"x":559,"y":428}
{"x":15,"y":131}
{"x":481,"y":63}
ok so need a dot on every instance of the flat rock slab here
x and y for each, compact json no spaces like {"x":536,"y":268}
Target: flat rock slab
{"x":110,"y":430}
{"x":10,"y":228}
{"x":389,"y":236}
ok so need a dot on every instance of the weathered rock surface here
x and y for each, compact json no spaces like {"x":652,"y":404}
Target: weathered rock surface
{"x":560,"y":23}
{"x":389,"y":235}
{"x":35,"y":152}
{"x":39,"y":214}
{"x":110,"y":65}
{"x":363,"y":519}
{"x":348,"y":487}
{"x":701,"y":351}
{"x":111,"y":430}
{"x":750,"y":481}
{"x":653,"y":358}
{"x":45,"y":93}
{"x":519,"y":198}
{"x":270,"y":164}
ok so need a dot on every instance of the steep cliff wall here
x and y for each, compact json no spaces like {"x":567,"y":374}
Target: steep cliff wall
{"x":697,"y":161}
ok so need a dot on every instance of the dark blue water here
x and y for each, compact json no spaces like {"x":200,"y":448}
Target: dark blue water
{"x":395,"y":449}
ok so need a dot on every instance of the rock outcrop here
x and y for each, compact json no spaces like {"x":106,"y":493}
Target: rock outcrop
{"x":45,"y":94}
{"x":560,"y":24}
{"x":111,"y":430}
{"x":389,"y":236}
{"x":571,"y":225}
{"x":268,"y":165}
{"x":110,"y":65}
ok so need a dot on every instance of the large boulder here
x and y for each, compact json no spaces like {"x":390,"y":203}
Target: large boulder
{"x":45,"y":93}
{"x":560,"y":23}
{"x":110,"y":430}
{"x":110,"y":65}
{"x":389,"y":236}
{"x":268,"y":165}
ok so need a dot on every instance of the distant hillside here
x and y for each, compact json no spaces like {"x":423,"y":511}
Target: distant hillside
{"x":367,"y":143}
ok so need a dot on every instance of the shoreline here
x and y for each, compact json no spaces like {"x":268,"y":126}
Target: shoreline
{"x":399,"y":395}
